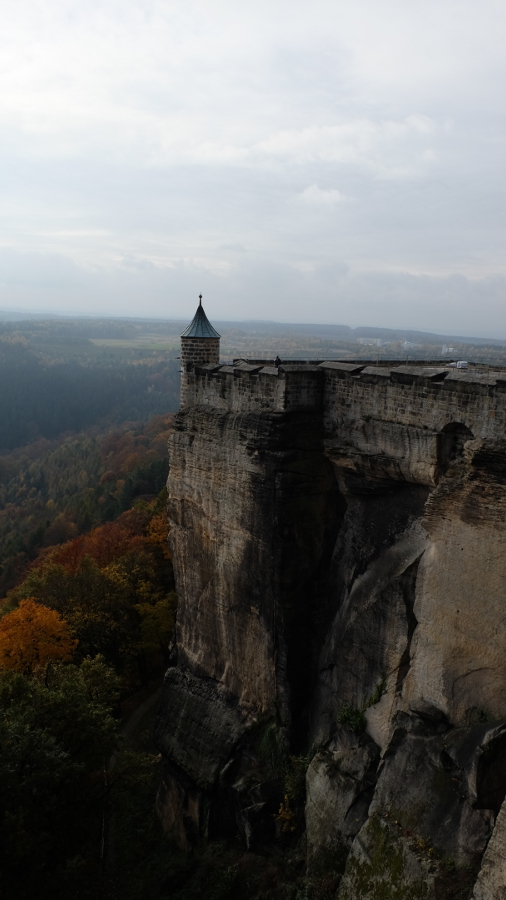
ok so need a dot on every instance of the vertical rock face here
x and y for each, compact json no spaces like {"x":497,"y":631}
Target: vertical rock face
{"x":459,"y":663}
{"x":341,"y":566}
{"x":253,"y":521}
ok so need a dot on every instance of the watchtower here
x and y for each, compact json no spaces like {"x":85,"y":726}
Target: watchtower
{"x":200,"y":344}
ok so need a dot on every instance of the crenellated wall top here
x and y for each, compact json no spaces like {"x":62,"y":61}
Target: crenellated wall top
{"x":421,"y":395}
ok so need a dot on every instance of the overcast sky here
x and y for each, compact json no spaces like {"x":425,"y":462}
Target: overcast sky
{"x":337,"y":161}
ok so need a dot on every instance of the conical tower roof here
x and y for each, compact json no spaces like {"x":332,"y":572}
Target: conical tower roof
{"x":200,"y":326}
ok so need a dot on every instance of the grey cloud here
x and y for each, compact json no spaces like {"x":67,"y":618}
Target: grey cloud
{"x":342,"y":162}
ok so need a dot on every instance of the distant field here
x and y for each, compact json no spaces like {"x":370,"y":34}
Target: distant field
{"x":143,"y":342}
{"x":120,"y":342}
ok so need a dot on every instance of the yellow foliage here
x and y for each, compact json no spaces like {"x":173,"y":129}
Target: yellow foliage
{"x":286,"y":816}
{"x":158,"y":531}
{"x":32,"y":635}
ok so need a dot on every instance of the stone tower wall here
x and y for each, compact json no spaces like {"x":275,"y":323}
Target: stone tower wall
{"x":195,"y":352}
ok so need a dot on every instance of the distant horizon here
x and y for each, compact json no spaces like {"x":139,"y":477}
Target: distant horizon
{"x":42,"y":314}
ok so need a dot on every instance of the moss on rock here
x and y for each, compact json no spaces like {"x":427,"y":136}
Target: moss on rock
{"x":382,"y":866}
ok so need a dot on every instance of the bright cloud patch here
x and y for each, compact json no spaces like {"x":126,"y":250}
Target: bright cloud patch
{"x":315,"y":195}
{"x":388,"y":149}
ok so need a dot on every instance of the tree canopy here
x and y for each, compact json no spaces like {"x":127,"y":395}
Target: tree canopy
{"x":32,"y":635}
{"x":55,"y":736}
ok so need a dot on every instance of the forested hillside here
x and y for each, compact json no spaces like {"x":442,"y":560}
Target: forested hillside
{"x":66,"y":377}
{"x":84,"y":636}
{"x":53,"y":491}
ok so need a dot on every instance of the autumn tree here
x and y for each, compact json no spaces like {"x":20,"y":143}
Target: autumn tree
{"x":114,"y":587}
{"x":32,"y":635}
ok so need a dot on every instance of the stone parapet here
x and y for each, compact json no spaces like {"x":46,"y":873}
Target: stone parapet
{"x":247,"y":387}
{"x":353,"y":393}
{"x":429,"y":398}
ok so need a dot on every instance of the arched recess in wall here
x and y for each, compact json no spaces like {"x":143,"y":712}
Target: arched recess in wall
{"x":451,"y":440}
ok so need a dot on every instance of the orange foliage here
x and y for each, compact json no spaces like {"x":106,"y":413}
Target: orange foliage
{"x":32,"y":635}
{"x":104,"y":544}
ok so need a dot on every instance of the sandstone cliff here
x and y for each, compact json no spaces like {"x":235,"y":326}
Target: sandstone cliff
{"x":338,"y":542}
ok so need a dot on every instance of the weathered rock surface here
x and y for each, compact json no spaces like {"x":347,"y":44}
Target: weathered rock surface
{"x":458,"y":657}
{"x":200,"y":727}
{"x":339,"y":542}
{"x":443,"y":787}
{"x":368,"y":644}
{"x":491,"y":881}
{"x":339,"y":792}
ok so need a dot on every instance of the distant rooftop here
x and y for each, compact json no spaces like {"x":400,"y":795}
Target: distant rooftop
{"x":200,"y":326}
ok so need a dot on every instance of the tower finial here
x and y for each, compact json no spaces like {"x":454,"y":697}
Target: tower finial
{"x":200,"y":299}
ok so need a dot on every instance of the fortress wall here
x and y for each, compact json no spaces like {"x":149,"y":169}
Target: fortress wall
{"x":249,"y":388}
{"x":383,"y":421}
{"x":420,"y":398}
{"x":426,"y":398}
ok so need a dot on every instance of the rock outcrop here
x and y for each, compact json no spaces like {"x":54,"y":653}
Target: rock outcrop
{"x":338,"y":536}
